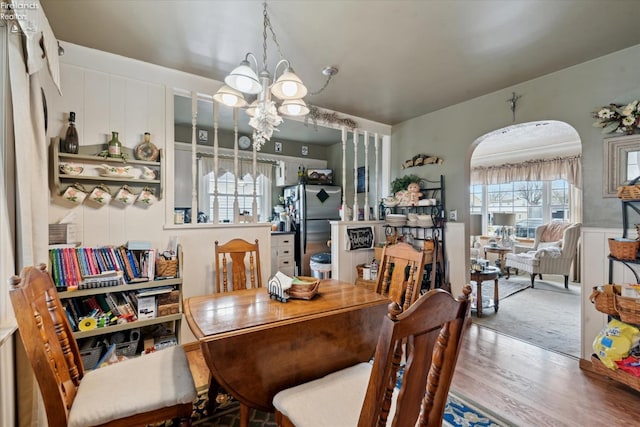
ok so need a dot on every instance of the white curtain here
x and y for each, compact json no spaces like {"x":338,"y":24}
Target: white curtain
{"x":206,"y":166}
{"x":32,"y":54}
{"x":568,"y":168}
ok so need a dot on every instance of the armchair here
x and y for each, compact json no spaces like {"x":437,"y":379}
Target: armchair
{"x":553,"y":251}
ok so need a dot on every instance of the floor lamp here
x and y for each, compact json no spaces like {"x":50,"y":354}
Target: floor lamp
{"x":505,"y":221}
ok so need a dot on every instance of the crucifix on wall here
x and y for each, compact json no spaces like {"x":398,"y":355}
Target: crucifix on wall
{"x":512,"y":104}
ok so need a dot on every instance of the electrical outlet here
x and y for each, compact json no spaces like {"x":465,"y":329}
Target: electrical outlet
{"x":453,"y":215}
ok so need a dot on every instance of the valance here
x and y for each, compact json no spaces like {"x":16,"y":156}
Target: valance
{"x":568,"y":168}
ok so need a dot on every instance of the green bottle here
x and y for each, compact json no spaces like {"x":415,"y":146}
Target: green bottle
{"x":115,"y":147}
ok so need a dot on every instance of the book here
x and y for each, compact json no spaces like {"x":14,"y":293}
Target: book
{"x":138,"y":245}
{"x":55,"y":273}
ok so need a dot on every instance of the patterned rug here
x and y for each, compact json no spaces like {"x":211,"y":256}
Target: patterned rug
{"x":459,"y":412}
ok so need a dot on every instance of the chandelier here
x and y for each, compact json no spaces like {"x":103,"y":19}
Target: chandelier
{"x":287,"y":89}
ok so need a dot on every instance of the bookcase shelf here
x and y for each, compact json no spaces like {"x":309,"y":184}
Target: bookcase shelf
{"x":119,"y":288}
{"x":140,"y":323}
{"x":77,"y":303}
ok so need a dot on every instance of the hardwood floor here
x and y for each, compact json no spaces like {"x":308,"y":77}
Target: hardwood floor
{"x":524,"y":384}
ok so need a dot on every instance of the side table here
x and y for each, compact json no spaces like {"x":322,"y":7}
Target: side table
{"x":490,"y":273}
{"x":501,"y":251}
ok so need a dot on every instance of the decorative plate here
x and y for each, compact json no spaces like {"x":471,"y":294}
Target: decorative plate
{"x":147,"y":151}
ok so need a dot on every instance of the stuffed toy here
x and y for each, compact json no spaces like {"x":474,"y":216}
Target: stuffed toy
{"x":410,"y":196}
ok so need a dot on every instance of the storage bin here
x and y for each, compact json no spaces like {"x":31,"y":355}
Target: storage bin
{"x":625,"y":249}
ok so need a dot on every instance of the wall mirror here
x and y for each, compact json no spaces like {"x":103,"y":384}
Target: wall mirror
{"x":622,"y":155}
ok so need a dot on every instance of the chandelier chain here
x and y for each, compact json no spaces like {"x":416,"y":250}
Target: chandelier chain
{"x":267,"y":24}
{"x":326,"y":83}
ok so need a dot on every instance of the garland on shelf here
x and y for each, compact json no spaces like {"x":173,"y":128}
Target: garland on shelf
{"x":316,"y":115}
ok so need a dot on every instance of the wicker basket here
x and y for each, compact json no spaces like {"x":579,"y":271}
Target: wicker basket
{"x":304,"y":291}
{"x":628,"y":309}
{"x":604,"y":298}
{"x":629,"y":192}
{"x":624,"y":249}
{"x":166,"y":267}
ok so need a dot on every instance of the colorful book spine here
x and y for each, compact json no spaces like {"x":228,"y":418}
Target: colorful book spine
{"x":134,"y":264}
{"x":55,"y":273}
{"x":99,"y":260}
{"x":127,"y":263}
{"x":66,"y":269}
{"x":107,"y":259}
{"x":75,"y":268}
{"x":114,"y":258}
{"x":93,"y":264}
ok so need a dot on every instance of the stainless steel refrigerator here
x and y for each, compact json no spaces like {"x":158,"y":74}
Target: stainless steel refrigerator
{"x":315,"y":206}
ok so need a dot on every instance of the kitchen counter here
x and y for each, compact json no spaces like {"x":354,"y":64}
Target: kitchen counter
{"x":278,"y":233}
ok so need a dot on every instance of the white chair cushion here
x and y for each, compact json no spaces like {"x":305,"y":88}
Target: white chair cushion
{"x":137,"y":385}
{"x":331,"y":401}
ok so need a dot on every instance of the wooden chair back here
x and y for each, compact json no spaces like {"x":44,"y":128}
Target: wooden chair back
{"x":434,"y":326}
{"x":400,"y":273}
{"x":234,"y":277}
{"x":48,"y":340}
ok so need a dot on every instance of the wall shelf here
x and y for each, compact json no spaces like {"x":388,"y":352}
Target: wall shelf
{"x":90,"y":162}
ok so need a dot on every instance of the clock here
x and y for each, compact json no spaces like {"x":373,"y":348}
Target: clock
{"x":244,"y":142}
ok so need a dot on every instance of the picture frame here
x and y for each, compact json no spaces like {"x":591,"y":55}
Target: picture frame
{"x":617,"y":152}
{"x":278,"y":147}
{"x":363,"y":182}
{"x":305,"y":150}
{"x":203,"y":135}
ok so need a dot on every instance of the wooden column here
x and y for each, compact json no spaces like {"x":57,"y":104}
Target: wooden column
{"x":254,"y":206}
{"x":366,"y":175}
{"x":216,"y":207}
{"x":355,"y":175}
{"x":377,"y":199}
{"x":344,"y":173}
{"x":236,"y":204}
{"x":194,"y":160}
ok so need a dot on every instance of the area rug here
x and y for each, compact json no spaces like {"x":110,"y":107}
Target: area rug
{"x":546,"y":316}
{"x":459,"y":412}
{"x":506,"y":288}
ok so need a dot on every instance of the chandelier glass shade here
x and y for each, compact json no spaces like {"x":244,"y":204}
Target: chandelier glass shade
{"x":287,"y":89}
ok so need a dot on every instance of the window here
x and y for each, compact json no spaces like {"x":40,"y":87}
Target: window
{"x":534,"y":203}
{"x":226,"y":192}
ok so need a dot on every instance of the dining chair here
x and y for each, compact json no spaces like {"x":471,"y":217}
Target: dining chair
{"x":231,"y":265}
{"x":136,"y":392}
{"x":400,"y":273}
{"x":235,"y":252}
{"x":370,"y":394}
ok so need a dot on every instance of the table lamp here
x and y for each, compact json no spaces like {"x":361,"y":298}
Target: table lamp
{"x":475,"y":229}
{"x":505,"y":221}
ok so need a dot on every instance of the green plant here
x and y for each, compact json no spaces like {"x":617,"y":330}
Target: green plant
{"x":401,"y":183}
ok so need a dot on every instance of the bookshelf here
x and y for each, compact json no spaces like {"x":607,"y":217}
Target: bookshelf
{"x":117,"y":319}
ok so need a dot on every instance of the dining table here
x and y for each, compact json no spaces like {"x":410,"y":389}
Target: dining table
{"x":256,"y":346}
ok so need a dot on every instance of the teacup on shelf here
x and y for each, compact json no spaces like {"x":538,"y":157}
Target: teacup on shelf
{"x":146,"y":197}
{"x":125,"y":196}
{"x":100,"y":195}
{"x":75,"y":193}
{"x":148,"y":173}
{"x":70,"y":169}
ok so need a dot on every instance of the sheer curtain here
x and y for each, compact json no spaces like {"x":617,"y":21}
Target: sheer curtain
{"x":206,"y":166}
{"x":567,"y":168}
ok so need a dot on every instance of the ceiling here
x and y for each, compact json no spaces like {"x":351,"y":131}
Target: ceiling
{"x":397,"y":59}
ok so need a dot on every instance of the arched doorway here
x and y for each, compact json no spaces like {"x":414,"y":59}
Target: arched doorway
{"x":531,"y":172}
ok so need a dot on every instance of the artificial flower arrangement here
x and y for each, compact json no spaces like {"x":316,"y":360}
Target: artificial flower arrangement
{"x":618,"y":118}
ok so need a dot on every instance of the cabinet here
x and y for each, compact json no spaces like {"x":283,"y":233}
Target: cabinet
{"x":157,"y":325}
{"x":618,"y":374}
{"x":423,"y":236}
{"x":90,"y":176}
{"x":282,"y":253}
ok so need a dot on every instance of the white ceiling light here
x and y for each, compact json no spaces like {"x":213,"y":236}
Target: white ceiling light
{"x":264,"y":110}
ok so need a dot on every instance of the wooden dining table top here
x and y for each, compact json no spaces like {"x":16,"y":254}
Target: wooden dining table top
{"x":256,"y":346}
{"x":247,"y":310}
